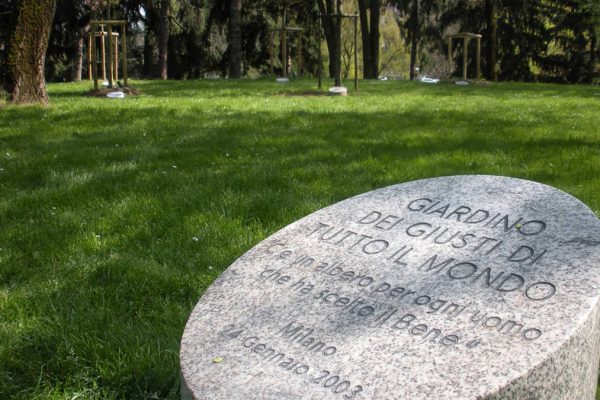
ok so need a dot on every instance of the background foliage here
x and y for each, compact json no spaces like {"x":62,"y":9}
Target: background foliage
{"x":535,"y":40}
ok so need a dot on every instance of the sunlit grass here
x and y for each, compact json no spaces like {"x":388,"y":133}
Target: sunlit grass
{"x":117,"y":214}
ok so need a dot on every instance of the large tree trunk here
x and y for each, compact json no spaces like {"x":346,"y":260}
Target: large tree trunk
{"x":374,"y":37}
{"x":327,"y":7}
{"x":369,"y":13}
{"x":337,"y":67}
{"x":491,"y":39}
{"x":163,"y":37}
{"x":366,"y":40}
{"x":235,"y":40}
{"x":27,"y":51}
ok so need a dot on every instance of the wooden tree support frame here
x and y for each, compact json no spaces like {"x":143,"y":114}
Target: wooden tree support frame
{"x":338,"y":73}
{"x":112,"y":56}
{"x":101,"y":36}
{"x":466,"y":36}
{"x":283,"y":31}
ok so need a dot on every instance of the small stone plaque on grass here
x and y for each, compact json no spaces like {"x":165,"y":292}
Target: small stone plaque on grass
{"x":463,"y":287}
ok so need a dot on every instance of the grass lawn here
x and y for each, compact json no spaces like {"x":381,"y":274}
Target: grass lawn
{"x":115,"y":215}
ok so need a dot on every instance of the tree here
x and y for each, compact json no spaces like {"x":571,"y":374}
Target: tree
{"x":163,"y":37}
{"x":574,"y":26}
{"x":235,"y":39}
{"x":417,"y":15}
{"x":515,"y":34}
{"x":65,"y":54}
{"x":332,"y":29}
{"x":414,"y":35}
{"x":477,"y":19}
{"x":27,"y":51}
{"x":394,"y":56}
{"x":370,"y":13}
{"x":491,"y":39}
{"x":7,"y":11}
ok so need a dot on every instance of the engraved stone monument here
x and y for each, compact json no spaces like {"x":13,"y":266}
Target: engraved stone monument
{"x":462,"y":287}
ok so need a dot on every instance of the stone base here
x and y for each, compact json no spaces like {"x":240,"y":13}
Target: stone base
{"x":338,"y":91}
{"x":454,"y":288}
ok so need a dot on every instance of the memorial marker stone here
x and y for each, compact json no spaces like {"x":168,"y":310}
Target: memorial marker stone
{"x":463,"y":287}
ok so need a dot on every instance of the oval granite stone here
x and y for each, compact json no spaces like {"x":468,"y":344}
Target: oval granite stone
{"x":462,"y":287}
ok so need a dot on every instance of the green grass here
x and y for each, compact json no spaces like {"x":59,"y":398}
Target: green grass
{"x":116,"y":214}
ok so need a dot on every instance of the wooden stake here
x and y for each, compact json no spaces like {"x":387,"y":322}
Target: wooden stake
{"x":478,"y":58}
{"x":124,"y":56}
{"x":110,"y":58}
{"x":103,"y":52}
{"x":355,"y":54}
{"x":299,"y":54}
{"x":116,"y":66}
{"x":338,"y":55}
{"x":466,"y":45}
{"x":284,"y":52}
{"x":271,"y":52}
{"x":94,"y":58}
{"x":89,"y":55}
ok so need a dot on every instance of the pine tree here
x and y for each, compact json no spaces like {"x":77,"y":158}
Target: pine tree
{"x":415,"y":29}
{"x":514,"y":34}
{"x":574,"y":28}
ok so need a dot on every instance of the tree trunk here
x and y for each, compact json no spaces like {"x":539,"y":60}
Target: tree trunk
{"x":414,"y":47}
{"x":163,"y":37}
{"x":235,"y":40}
{"x":415,"y":29}
{"x":491,"y":39}
{"x":329,"y":30}
{"x":337,"y":69}
{"x":369,"y":13}
{"x":366,"y":40}
{"x":27,"y":51}
{"x":78,"y":59}
{"x":149,"y":54}
{"x":374,"y":38}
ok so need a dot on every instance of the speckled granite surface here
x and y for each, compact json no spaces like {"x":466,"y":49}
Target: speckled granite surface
{"x":465,"y":287}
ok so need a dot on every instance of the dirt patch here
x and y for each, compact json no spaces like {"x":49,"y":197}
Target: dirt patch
{"x":129,"y":91}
